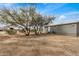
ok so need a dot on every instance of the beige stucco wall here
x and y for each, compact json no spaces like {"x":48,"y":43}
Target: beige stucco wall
{"x":68,"y":29}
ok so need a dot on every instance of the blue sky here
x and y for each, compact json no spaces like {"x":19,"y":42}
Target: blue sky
{"x":64,"y":12}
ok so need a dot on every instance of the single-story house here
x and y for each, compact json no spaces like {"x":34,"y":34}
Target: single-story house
{"x":65,"y":29}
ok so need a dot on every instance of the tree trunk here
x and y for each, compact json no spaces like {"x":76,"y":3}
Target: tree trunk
{"x":38,"y":30}
{"x":26,"y":32}
{"x":35,"y":30}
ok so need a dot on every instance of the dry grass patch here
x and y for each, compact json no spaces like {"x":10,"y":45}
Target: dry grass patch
{"x":39,"y":45}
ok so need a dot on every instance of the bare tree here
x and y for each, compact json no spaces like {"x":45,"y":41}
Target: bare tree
{"x":25,"y":18}
{"x":19,"y":18}
{"x":39,"y":21}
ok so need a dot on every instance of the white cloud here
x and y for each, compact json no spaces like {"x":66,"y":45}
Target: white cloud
{"x":62,"y":17}
{"x":72,"y":15}
{"x":68,"y":17}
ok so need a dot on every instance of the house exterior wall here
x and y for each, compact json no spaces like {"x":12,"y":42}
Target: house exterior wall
{"x":77,"y":29}
{"x":45,"y":30}
{"x":68,"y":29}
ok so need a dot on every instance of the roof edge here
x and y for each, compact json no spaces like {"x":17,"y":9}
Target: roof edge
{"x":63,"y":24}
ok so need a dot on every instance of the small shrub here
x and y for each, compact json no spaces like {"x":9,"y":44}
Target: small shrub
{"x":33,"y":30}
{"x":11,"y":31}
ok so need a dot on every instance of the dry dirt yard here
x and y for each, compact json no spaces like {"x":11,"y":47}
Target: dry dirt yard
{"x":43,"y":45}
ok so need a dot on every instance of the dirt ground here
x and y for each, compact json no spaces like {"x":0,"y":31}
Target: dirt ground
{"x":42,"y":45}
